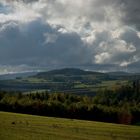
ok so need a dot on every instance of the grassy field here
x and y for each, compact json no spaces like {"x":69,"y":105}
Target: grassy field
{"x":27,"y":127}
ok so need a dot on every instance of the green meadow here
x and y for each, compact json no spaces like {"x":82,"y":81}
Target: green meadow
{"x":27,"y":127}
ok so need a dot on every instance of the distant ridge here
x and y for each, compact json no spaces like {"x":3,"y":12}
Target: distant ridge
{"x":15,"y":75}
{"x":68,"y":71}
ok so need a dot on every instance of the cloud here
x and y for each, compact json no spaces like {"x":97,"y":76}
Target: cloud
{"x":39,"y":44}
{"x":113,"y":50}
{"x":131,"y":11}
{"x":70,"y":33}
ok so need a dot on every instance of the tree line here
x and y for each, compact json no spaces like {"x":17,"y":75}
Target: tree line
{"x":118,"y":105}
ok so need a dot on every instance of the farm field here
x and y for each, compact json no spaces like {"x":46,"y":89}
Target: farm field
{"x":27,"y":127}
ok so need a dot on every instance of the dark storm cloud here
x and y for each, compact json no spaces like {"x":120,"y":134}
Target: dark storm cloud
{"x":29,"y":45}
{"x":131,"y":9}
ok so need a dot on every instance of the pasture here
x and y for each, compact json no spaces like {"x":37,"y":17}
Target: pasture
{"x":28,"y":127}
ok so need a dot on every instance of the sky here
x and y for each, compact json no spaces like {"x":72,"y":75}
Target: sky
{"x":99,"y":35}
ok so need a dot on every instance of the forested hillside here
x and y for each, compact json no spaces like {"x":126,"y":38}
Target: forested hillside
{"x":117,"y":105}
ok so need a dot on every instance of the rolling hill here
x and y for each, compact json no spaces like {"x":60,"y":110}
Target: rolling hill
{"x":27,"y":127}
{"x":68,"y":72}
